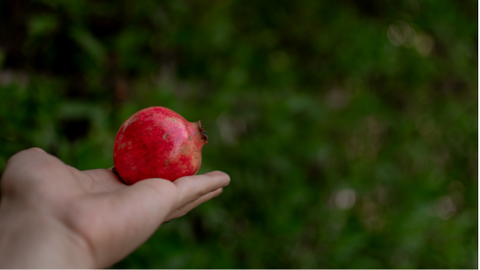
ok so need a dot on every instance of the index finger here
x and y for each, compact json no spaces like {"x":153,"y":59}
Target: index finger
{"x":193,"y":187}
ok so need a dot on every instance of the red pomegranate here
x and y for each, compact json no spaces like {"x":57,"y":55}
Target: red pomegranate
{"x":157,"y":142}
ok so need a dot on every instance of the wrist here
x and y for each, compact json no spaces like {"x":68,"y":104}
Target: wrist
{"x":31,"y":239}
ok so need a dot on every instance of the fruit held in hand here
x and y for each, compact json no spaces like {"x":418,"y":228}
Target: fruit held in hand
{"x":157,"y":142}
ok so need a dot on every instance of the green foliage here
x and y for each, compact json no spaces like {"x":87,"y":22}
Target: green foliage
{"x":349,"y":128}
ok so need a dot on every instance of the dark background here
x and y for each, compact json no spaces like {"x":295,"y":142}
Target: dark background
{"x":349,"y":128}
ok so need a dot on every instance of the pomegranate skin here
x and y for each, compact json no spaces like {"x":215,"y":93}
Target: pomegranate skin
{"x":157,"y":142}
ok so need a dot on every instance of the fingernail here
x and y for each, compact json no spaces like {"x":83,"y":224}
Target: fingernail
{"x":38,"y":149}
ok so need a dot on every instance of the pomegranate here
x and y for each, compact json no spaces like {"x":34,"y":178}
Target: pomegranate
{"x":157,"y":142}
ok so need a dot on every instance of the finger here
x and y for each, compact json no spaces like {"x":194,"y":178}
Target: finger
{"x":190,"y":188}
{"x":188,"y":207}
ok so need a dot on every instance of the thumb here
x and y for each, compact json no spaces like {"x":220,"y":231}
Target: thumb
{"x":149,"y":200}
{"x":129,"y":216}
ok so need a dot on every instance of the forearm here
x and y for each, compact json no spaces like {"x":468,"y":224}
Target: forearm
{"x":29,"y":239}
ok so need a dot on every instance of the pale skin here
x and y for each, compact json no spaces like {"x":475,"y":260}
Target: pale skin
{"x":55,"y":216}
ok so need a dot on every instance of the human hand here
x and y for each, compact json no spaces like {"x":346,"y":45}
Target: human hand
{"x":55,"y":216}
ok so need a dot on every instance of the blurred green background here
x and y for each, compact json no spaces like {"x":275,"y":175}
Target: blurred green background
{"x":349,"y":128}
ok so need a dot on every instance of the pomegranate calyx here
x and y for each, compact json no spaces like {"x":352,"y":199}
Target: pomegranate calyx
{"x":202,"y":131}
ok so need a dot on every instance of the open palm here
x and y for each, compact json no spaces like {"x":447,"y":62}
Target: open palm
{"x":105,"y":218}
